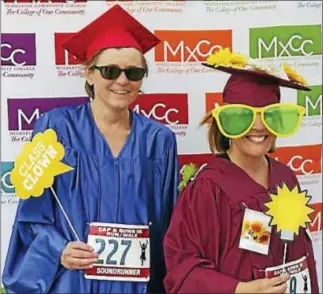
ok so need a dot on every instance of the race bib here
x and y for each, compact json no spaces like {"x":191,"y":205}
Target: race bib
{"x":124,"y":252}
{"x":299,"y":281}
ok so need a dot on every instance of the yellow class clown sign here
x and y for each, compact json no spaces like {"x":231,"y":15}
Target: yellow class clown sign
{"x":37,"y":165}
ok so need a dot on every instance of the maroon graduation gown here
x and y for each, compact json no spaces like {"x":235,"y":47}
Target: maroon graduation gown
{"x":202,"y":243}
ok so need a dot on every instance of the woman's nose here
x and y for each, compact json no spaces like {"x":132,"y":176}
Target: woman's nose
{"x":258,"y":125}
{"x":122,"y":79}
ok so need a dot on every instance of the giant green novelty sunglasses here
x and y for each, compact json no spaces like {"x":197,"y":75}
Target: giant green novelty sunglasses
{"x":236,"y":120}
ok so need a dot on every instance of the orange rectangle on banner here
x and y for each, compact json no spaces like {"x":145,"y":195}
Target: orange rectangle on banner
{"x":212,"y":100}
{"x":303,"y":160}
{"x":316,"y":217}
{"x":190,"y":45}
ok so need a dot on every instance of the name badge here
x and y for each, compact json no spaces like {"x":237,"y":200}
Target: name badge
{"x":124,"y":252}
{"x":255,"y":232}
{"x":299,"y":275}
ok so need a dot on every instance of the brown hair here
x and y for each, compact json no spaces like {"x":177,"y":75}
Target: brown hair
{"x":89,"y":63}
{"x":217,"y":141}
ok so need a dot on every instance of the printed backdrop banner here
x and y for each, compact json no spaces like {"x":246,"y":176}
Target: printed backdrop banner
{"x":38,"y":75}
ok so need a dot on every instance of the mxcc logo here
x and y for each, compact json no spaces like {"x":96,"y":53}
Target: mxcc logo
{"x":6,"y":185}
{"x":62,"y":56}
{"x":285,"y":41}
{"x":316,"y":216}
{"x":312,"y":101}
{"x":299,"y":164}
{"x":169,"y":109}
{"x":302,"y":160}
{"x":190,"y":46}
{"x":22,"y":113}
{"x":18,"y":49}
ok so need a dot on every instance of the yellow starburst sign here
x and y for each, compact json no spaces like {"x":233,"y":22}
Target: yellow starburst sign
{"x":289,"y":211}
{"x":37,"y":165}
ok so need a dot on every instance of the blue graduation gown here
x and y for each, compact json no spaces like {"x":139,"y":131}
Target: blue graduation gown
{"x":138,"y":187}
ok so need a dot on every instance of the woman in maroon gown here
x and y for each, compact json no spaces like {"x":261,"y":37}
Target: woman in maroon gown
{"x":203,"y":248}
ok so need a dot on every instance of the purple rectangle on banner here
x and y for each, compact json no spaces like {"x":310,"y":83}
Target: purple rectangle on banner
{"x":22,"y":113}
{"x":18,"y":49}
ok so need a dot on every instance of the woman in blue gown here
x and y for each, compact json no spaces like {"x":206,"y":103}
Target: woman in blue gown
{"x":125,"y":172}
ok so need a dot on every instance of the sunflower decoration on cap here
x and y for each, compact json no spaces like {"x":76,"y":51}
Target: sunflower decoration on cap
{"x":224,"y":57}
{"x":293,"y":75}
{"x":237,"y":63}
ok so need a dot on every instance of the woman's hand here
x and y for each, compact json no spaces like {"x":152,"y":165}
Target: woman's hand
{"x":272,"y":285}
{"x":78,"y":255}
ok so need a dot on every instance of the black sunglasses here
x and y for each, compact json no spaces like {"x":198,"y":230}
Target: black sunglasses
{"x":113,"y":72}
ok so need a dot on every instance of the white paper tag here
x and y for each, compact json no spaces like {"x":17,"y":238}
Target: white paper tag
{"x":124,"y":252}
{"x":255,"y":232}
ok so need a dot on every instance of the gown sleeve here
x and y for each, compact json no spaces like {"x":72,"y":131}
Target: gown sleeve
{"x":168,"y":165}
{"x":192,"y":243}
{"x":170,"y":179}
{"x":35,"y":246}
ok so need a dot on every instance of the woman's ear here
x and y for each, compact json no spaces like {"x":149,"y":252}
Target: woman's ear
{"x":88,"y":75}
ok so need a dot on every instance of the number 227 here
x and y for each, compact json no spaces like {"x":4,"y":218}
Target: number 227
{"x":115,"y":244}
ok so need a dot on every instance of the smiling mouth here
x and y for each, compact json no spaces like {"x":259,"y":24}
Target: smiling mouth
{"x":120,"y":92}
{"x":257,"y":139}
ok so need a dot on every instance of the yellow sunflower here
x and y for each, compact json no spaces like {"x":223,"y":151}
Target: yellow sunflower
{"x":224,"y":57}
{"x":293,"y":75}
{"x":245,"y":226}
{"x":257,"y":227}
{"x":263,"y":238}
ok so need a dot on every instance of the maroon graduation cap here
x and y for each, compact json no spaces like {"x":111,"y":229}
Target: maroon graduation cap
{"x":253,"y":85}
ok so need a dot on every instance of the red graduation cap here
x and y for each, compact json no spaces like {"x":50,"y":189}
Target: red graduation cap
{"x":115,"y":28}
{"x":249,"y":83}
